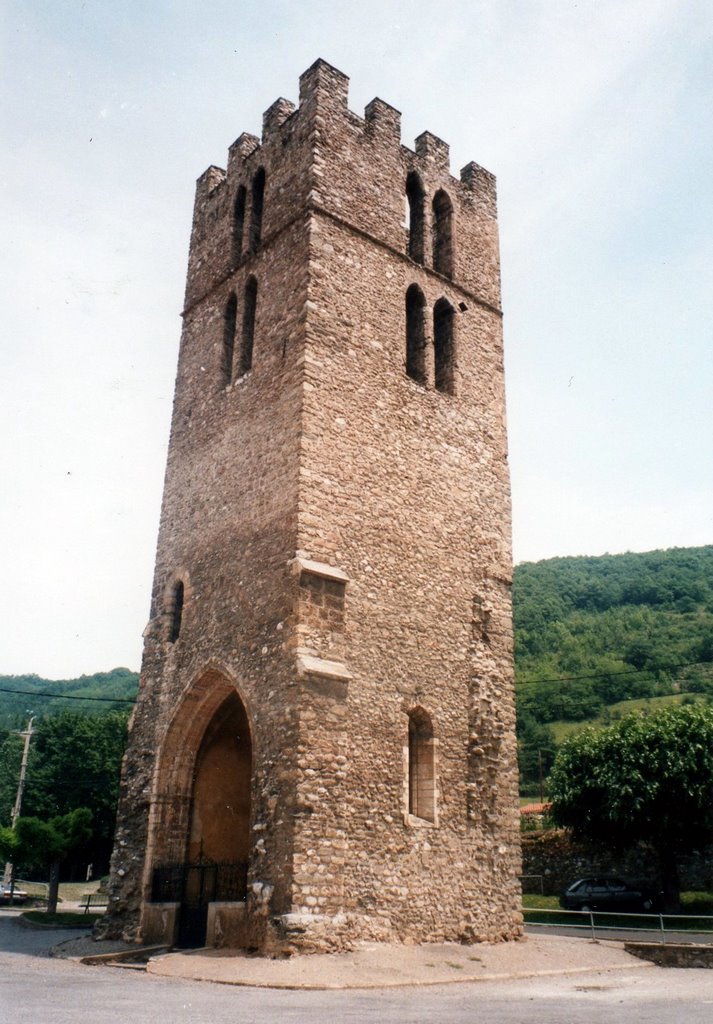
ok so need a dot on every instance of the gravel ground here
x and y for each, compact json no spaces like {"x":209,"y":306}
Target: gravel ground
{"x":84,"y":945}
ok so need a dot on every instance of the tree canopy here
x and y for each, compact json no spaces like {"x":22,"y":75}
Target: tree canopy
{"x":647,"y":778}
{"x":41,"y":844}
{"x":593,"y":631}
{"x":75,"y":761}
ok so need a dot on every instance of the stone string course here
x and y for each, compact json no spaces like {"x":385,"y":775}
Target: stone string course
{"x":327,"y":452}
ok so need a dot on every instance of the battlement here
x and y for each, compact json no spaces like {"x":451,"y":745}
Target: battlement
{"x":319,"y":156}
{"x":324,"y":93}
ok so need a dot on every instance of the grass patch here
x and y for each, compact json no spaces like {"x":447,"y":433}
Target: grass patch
{"x":562,"y":729}
{"x":533,"y":901}
{"x":62,"y":919}
{"x":697,"y":903}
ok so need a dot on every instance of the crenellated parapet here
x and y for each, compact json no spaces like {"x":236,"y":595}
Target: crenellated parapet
{"x":321,"y":157}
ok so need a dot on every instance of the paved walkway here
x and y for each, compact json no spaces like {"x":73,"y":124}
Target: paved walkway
{"x":374,"y":965}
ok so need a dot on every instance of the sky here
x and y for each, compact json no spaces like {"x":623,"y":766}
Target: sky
{"x":596,"y":118}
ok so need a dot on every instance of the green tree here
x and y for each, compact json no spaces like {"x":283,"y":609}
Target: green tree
{"x":535,"y":751}
{"x":76,"y":762}
{"x":648,"y":778}
{"x":46,"y":844}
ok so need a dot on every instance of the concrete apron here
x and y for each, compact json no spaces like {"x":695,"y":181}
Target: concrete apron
{"x":376,"y":965}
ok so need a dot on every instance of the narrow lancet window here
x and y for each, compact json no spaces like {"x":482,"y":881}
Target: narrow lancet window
{"x":238,"y":224}
{"x":421,"y":766}
{"x":443,"y":347}
{"x":415,"y":197}
{"x":230,"y":318}
{"x":249,"y":308}
{"x":258,"y":195}
{"x":443,"y":234}
{"x":176,"y":612}
{"x":415,"y":334}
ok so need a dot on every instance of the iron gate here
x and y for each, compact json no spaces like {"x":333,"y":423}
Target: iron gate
{"x":194,"y":886}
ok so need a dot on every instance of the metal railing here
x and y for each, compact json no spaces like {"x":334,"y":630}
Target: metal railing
{"x":662,"y":925}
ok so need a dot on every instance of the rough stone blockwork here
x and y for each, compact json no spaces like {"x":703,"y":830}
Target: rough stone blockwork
{"x":326,"y":696}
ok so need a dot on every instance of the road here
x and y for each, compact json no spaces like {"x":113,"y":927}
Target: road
{"x":622,"y":934}
{"x":37,"y":989}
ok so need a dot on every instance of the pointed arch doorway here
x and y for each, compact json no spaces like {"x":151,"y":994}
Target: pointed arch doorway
{"x":202,"y":827}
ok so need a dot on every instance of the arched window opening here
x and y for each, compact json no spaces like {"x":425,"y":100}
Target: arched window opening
{"x":230,"y":318}
{"x":415,"y":197}
{"x":239,"y":223}
{"x":415,"y":334}
{"x":443,"y":347}
{"x":258,"y":195}
{"x":176,"y":612}
{"x":443,"y":234}
{"x":421,"y":766}
{"x":249,"y":308}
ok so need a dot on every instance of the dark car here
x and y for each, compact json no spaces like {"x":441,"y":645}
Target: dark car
{"x":611,"y":894}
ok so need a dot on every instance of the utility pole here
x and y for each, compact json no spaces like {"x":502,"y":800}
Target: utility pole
{"x":542,"y":785}
{"x":7,"y":878}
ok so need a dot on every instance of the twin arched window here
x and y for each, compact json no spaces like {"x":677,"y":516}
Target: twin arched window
{"x":442,"y":231}
{"x":249,"y":309}
{"x":415,"y":197}
{"x":443,"y":341}
{"x":443,"y":347}
{"x":416,"y":334}
{"x":258,"y":197}
{"x":230,"y":319}
{"x":247,"y":336}
{"x":257,"y":202}
{"x":441,"y":226}
{"x":239,"y":223}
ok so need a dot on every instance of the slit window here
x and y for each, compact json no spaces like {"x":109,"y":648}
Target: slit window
{"x":176,"y":612}
{"x":443,"y":347}
{"x":239,"y":223}
{"x":415,"y":334}
{"x":443,"y":234}
{"x":421,"y":766}
{"x":249,"y":309}
{"x":415,"y":197}
{"x":230,"y":318}
{"x":258,"y":195}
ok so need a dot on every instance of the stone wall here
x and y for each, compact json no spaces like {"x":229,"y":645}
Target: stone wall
{"x":340,"y":532}
{"x":551,"y":861}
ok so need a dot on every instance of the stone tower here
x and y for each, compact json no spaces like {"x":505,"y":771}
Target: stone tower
{"x":323,"y":747}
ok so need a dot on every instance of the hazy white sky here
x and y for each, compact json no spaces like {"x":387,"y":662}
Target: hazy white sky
{"x":596,"y":118}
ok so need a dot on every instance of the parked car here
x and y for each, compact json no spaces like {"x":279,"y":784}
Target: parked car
{"x":612,"y":894}
{"x":18,"y":895}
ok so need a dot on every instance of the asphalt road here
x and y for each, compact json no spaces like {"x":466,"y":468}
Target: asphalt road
{"x":623,"y":934}
{"x":38,"y":989}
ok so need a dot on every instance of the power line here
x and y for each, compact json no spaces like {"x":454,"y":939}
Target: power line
{"x":68,"y":696}
{"x":607,"y":675}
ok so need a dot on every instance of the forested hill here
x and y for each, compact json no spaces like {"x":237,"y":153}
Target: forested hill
{"x":590,"y":632}
{"x":107,"y":691}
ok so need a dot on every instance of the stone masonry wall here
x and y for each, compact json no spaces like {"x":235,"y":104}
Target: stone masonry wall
{"x":342,"y":534}
{"x":406,"y":490}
